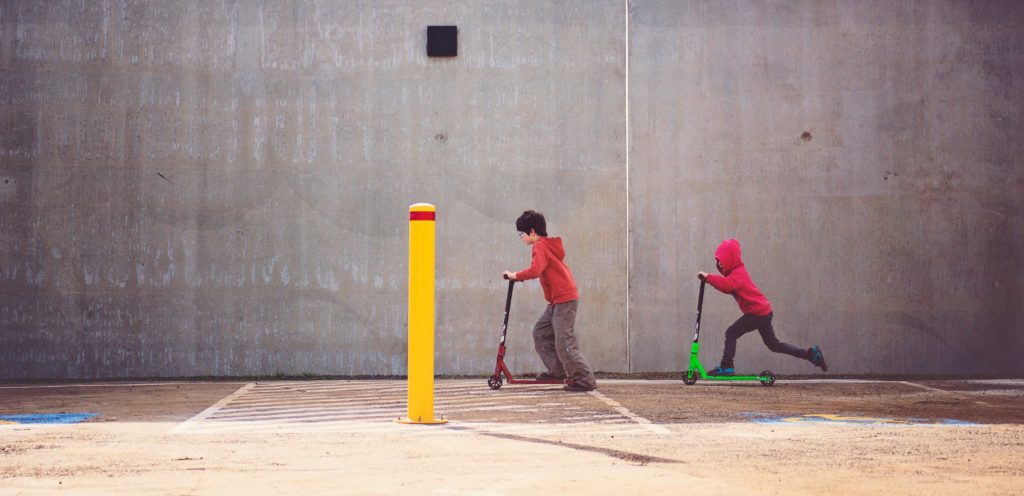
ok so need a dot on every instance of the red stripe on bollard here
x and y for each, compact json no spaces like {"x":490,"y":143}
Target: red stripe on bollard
{"x":421,"y":215}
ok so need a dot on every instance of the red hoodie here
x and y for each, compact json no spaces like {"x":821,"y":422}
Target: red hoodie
{"x":736,"y":281}
{"x":555,"y":276}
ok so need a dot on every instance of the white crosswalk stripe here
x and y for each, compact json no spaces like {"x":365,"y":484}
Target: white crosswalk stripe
{"x":373,"y":406}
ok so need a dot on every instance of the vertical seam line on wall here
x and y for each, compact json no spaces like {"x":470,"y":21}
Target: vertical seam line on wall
{"x":629,"y":357}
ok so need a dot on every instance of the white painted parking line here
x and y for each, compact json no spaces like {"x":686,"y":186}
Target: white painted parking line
{"x":997,"y":382}
{"x":372,"y":406}
{"x":205,"y":414}
{"x":943,"y":392}
{"x":630,"y":415}
{"x":101,"y":385}
{"x":490,"y":408}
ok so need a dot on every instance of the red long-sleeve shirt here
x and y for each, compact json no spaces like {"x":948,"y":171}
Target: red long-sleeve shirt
{"x":737,"y":281}
{"x":555,"y":277}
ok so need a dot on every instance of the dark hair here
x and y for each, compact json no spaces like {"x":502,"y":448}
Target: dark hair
{"x":532,"y":219}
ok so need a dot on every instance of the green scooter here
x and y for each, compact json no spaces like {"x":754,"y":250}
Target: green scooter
{"x":696,"y":370}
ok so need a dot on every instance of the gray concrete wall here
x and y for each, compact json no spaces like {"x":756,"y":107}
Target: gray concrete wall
{"x":867,"y":155}
{"x":221,"y":188}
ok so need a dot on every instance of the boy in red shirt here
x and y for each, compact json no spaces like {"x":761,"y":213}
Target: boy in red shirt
{"x":553,"y":336}
{"x":757,"y":311}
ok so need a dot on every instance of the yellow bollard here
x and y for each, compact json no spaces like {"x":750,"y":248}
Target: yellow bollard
{"x":421,"y":315}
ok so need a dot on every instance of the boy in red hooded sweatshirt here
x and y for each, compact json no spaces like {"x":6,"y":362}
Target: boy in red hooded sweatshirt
{"x":553,"y":336}
{"x":757,"y":311}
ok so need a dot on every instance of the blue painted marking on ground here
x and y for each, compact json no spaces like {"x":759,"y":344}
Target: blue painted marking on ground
{"x":956,"y":422}
{"x":836,"y":419}
{"x":46,"y":418}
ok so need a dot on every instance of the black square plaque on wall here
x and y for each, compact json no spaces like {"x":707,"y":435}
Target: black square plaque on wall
{"x":442,"y":41}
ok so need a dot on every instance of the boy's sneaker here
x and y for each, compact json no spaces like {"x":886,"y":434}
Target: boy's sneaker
{"x":576,"y":388}
{"x":544,"y":376}
{"x":719,"y":370}
{"x":815,"y":356}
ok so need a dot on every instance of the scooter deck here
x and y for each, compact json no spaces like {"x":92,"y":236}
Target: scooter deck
{"x":696,"y":371}
{"x":537,"y":381}
{"x":735,"y":377}
{"x":732,"y":377}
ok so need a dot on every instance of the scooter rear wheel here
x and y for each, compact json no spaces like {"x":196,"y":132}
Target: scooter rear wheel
{"x":767,"y":378}
{"x":690,"y":378}
{"x":494,"y":382}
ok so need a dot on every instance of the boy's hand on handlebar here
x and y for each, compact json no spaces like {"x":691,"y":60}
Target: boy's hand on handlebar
{"x":509,"y":276}
{"x":702,"y":275}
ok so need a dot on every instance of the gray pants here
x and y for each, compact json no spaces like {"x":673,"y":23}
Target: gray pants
{"x":555,"y":341}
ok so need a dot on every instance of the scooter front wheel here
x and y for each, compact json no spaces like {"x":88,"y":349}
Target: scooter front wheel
{"x":690,"y":378}
{"x":494,"y":382}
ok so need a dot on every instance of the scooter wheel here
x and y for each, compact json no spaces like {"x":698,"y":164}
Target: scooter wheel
{"x":690,"y":378}
{"x":767,"y":378}
{"x":494,"y":382}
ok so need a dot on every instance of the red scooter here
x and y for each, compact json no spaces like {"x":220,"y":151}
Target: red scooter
{"x":494,"y":382}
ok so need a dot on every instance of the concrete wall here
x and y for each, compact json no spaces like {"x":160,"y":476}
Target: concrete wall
{"x":868,"y":157}
{"x":221,"y":188}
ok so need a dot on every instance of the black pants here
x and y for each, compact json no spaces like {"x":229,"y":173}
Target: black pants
{"x":748,"y":323}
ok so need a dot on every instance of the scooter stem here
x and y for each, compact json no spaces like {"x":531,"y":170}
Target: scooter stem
{"x":508,"y":302}
{"x":700,"y":306}
{"x":504,"y":322}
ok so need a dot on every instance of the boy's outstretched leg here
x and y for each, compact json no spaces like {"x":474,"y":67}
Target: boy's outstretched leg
{"x":812,"y":354}
{"x":773,"y":343}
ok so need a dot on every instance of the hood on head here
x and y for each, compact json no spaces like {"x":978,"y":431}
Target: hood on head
{"x":728,"y":255}
{"x":553,"y":245}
